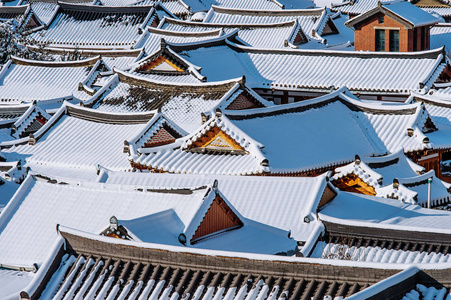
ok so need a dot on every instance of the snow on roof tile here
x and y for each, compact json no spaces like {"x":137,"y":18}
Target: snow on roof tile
{"x":26,"y":80}
{"x":88,"y":26}
{"x":370,"y":129}
{"x":276,"y":35}
{"x":361,"y":210}
{"x":308,"y":19}
{"x":318,"y":70}
{"x":85,"y":206}
{"x":84,"y":138}
{"x":181,"y":103}
{"x":273,"y":201}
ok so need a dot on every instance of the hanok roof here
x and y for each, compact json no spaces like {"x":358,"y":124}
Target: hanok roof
{"x":46,"y":9}
{"x":355,"y":7}
{"x":310,"y":20}
{"x":149,"y":215}
{"x":279,"y":195}
{"x":402,"y":11}
{"x":441,"y":35}
{"x":11,"y":113}
{"x":316,"y":70}
{"x":409,"y":182}
{"x":151,"y":40}
{"x":248,"y":147}
{"x":83,"y":137}
{"x":277,"y":35}
{"x":261,"y":5}
{"x":24,"y":15}
{"x":26,"y":80}
{"x":368,"y":211}
{"x":30,"y":121}
{"x":176,"y":272}
{"x":182,"y":103}
{"x":98,"y":27}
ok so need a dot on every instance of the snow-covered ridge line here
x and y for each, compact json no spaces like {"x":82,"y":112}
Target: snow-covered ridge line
{"x":382,"y":226}
{"x":240,"y":25}
{"x":40,"y":63}
{"x":159,"y":30}
{"x":244,"y":11}
{"x":241,"y":255}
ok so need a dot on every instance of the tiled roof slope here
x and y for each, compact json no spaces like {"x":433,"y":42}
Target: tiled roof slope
{"x":364,"y":126}
{"x":277,"y":35}
{"x":308,"y":19}
{"x":317,"y":70}
{"x":26,"y":80}
{"x":98,"y":27}
{"x":84,"y":138}
{"x":82,"y":272}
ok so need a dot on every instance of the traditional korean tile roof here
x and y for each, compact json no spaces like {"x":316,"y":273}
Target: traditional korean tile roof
{"x":151,"y":39}
{"x":259,"y":191}
{"x":260,"y":152}
{"x":317,"y":70}
{"x":408,"y":14}
{"x":277,"y":35}
{"x":309,"y":19}
{"x":397,"y":177}
{"x":84,"y":137}
{"x":98,"y":27}
{"x":46,"y":9}
{"x":441,"y":35}
{"x":183,"y":104}
{"x":26,"y":80}
{"x":21,"y":14}
{"x":30,"y":121}
{"x":442,"y":11}
{"x":11,"y":113}
{"x":368,"y":211}
{"x":81,"y":271}
{"x":355,"y":7}
{"x":168,"y":213}
{"x":246,"y":5}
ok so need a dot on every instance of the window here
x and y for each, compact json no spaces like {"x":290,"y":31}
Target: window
{"x":394,"y":41}
{"x":380,"y":40}
{"x":381,"y":20}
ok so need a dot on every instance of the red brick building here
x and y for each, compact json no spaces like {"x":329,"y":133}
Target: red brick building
{"x":393,"y":27}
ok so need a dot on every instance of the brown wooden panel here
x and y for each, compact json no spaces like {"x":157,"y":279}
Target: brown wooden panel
{"x":218,"y":217}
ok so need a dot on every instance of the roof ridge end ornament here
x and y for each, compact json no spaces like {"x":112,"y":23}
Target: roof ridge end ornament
{"x":163,"y":44}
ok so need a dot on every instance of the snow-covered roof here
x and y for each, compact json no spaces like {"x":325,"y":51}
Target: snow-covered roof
{"x":263,"y":5}
{"x":98,"y":27}
{"x":83,"y":138}
{"x":269,"y":200}
{"x":11,"y":113}
{"x":151,"y":40}
{"x":445,"y":12}
{"x":181,"y":103}
{"x":30,"y":122}
{"x":309,"y":19}
{"x":276,"y":135}
{"x":380,"y":171}
{"x":317,"y":70}
{"x":89,"y":206}
{"x":24,"y":80}
{"x":441,"y":35}
{"x":277,"y":35}
{"x":403,"y":11}
{"x":368,"y":211}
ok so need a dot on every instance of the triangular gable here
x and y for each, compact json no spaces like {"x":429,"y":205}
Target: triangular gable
{"x":329,"y":28}
{"x":354,"y":184}
{"x":162,"y":61}
{"x":244,"y":101}
{"x":163,"y":136}
{"x":216,"y":140}
{"x":215,"y":215}
{"x":158,"y":131}
{"x":30,"y":122}
{"x":219,"y":218}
